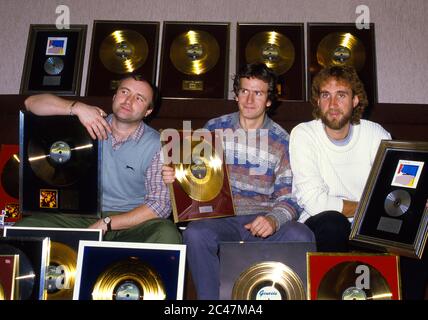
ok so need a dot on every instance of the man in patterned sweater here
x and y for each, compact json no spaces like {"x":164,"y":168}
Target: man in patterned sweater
{"x":261,"y":185}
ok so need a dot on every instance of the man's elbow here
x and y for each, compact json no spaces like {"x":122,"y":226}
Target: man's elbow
{"x":29,"y":102}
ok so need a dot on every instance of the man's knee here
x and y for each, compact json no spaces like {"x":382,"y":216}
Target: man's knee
{"x":296,"y":231}
{"x":197,"y":231}
{"x":167,"y":232}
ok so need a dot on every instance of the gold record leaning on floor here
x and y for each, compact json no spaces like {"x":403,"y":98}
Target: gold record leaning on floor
{"x":194,"y":52}
{"x":271,"y":48}
{"x":61,"y":272}
{"x":269,"y":280}
{"x":340,"y":283}
{"x":200,"y":173}
{"x":123,"y":51}
{"x":341,"y":48}
{"x":129,"y":279}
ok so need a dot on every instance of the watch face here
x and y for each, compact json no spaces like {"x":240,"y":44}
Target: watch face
{"x":107,"y":220}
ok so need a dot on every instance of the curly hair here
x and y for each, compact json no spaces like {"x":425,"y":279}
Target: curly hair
{"x":262,"y":72}
{"x":348,"y":75}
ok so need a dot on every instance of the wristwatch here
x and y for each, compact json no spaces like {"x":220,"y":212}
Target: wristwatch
{"x":107,"y":221}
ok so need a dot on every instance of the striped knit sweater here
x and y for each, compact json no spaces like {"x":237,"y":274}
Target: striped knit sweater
{"x":325,"y":174}
{"x":259,"y":168}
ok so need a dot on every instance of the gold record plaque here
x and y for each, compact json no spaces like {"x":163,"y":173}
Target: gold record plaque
{"x":352,"y":276}
{"x":194,"y":60}
{"x":118,"y":49}
{"x":201,"y":189}
{"x":340,"y":44}
{"x":280,"y":47}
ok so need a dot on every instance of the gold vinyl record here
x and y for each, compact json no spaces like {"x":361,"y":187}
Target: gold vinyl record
{"x":353,"y":280}
{"x":129,"y":280}
{"x":397,"y":202}
{"x":194,"y":52}
{"x":271,"y":48}
{"x":123,"y":51}
{"x":200,"y":173}
{"x":341,"y":48}
{"x":268,"y":281}
{"x":61,"y":272}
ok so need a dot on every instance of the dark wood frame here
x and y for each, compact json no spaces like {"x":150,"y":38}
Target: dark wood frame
{"x":32,"y":76}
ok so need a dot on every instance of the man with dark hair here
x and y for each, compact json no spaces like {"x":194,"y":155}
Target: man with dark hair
{"x":261,"y":185}
{"x":331,"y":156}
{"x":135,"y":201}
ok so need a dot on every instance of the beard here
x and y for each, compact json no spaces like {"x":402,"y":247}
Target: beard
{"x":337,"y":123}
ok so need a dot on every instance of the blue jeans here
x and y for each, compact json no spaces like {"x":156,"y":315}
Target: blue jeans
{"x":203,"y":237}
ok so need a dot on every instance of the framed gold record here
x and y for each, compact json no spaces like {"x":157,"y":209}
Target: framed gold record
{"x":194,"y":60}
{"x":201,"y":189}
{"x":281,"y":48}
{"x":54,"y":60}
{"x":353,"y":276}
{"x":119,"y":49}
{"x":129,"y":271}
{"x":392,"y":214}
{"x":64,"y":244}
{"x":331,"y":44}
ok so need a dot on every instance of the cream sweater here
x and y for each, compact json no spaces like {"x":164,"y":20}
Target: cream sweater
{"x":324,"y":174}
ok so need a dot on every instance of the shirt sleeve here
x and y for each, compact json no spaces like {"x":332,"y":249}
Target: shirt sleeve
{"x":285,"y":207}
{"x":157,"y":197}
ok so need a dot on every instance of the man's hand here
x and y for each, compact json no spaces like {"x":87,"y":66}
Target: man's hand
{"x":99,"y":225}
{"x":349,"y":208}
{"x":168,"y":174}
{"x":262,"y":227}
{"x":93,"y":120}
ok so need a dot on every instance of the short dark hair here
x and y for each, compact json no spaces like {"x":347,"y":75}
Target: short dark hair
{"x":156,"y":95}
{"x":259,"y":71}
{"x":348,"y":75}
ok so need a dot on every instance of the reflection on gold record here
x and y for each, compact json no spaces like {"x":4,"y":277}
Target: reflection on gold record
{"x":341,"y":48}
{"x":353,"y":281}
{"x":194,"y":52}
{"x":271,"y":48}
{"x":2,"y":297}
{"x":123,"y":51}
{"x":268,"y":281}
{"x":129,"y":280}
{"x":200,"y":174}
{"x":61,"y":272}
